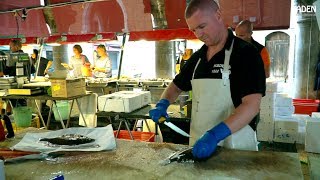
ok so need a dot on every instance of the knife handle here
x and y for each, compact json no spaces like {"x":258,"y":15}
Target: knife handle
{"x":162,"y":119}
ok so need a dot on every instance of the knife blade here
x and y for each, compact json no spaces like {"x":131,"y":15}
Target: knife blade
{"x":173,"y":127}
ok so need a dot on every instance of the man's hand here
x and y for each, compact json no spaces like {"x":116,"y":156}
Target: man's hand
{"x":207,"y":143}
{"x":160,"y":110}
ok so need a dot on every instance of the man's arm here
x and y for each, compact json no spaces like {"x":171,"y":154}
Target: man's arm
{"x":171,"y":93}
{"x":244,"y":113}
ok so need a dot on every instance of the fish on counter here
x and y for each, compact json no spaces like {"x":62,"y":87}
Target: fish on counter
{"x":67,"y":140}
{"x":182,"y":156}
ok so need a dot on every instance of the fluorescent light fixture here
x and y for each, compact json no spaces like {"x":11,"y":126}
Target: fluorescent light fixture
{"x":53,"y":44}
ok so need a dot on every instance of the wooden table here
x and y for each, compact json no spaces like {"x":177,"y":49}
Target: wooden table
{"x":53,"y":100}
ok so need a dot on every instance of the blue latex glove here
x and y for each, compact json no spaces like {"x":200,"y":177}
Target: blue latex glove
{"x":160,"y":110}
{"x":207,"y":143}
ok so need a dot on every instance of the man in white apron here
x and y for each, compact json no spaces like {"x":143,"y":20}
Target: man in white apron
{"x":225,"y":73}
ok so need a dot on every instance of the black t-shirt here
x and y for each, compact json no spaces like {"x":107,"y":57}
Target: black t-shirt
{"x":42,"y":66}
{"x":247,"y":70}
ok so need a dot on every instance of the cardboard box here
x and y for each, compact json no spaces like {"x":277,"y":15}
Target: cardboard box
{"x":68,"y":87}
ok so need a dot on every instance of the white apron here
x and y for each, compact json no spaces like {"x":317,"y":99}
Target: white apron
{"x":212,"y":104}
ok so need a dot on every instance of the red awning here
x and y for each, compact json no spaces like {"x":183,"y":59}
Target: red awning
{"x":6,"y":5}
{"x":165,"y":35}
{"x":86,"y":18}
{"x":28,"y":40}
{"x":175,"y":14}
{"x":33,"y":26}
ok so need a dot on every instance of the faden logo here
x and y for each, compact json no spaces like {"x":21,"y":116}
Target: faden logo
{"x":306,"y":9}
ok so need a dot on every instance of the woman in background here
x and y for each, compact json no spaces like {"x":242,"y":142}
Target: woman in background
{"x":184,"y":58}
{"x":78,"y":62}
{"x":102,"y":67}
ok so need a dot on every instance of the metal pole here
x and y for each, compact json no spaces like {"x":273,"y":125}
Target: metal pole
{"x":121,"y":54}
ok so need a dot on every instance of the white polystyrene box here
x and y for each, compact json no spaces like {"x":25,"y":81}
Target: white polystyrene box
{"x":268,"y":99}
{"x":312,"y":142}
{"x":285,"y":136}
{"x":286,"y":122}
{"x":302,"y":119}
{"x":274,"y":87}
{"x":301,"y":135}
{"x":315,"y":115}
{"x":119,"y":102}
{"x":265,"y":131}
{"x":266,"y":109}
{"x":145,"y":96}
{"x":286,"y":129}
{"x":283,"y":110}
{"x":124,"y":101}
{"x":266,"y":118}
{"x":283,"y":99}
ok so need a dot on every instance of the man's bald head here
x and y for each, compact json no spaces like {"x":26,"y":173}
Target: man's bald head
{"x":247,"y":25}
{"x":203,"y":5}
{"x":244,"y":30}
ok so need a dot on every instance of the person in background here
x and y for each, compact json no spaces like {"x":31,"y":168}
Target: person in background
{"x":15,"y":46}
{"x":2,"y":63}
{"x":184,"y":58}
{"x":44,"y":65}
{"x":244,"y":31}
{"x":227,"y":80}
{"x":102,"y":67}
{"x":77,"y":61}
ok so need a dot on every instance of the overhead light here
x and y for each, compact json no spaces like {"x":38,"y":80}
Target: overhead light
{"x":24,"y":14}
{"x":53,"y":44}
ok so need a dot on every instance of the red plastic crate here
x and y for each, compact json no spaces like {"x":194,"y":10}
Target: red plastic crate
{"x":305,"y":106}
{"x":137,"y":135}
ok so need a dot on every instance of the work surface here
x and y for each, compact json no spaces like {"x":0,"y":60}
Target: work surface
{"x":140,"y":160}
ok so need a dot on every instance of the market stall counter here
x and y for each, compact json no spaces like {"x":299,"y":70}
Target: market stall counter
{"x":142,"y":160}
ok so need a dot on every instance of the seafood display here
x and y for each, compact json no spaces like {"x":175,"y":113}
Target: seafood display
{"x":67,"y":140}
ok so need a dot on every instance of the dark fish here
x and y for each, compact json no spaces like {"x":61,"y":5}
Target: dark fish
{"x":68,"y":139}
{"x":183,"y":156}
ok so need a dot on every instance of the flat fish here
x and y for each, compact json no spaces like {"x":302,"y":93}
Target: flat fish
{"x":68,"y":140}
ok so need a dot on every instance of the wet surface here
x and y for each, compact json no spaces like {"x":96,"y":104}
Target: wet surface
{"x":139,"y":160}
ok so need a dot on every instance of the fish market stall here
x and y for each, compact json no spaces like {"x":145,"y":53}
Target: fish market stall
{"x":144,"y":160}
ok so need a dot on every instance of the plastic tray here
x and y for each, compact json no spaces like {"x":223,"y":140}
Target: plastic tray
{"x":137,"y":135}
{"x":305,"y":106}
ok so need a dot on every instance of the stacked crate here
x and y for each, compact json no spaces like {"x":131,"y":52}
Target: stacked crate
{"x":276,"y":120}
{"x":265,"y":126}
{"x":312,"y":143}
{"x":285,"y":124}
{"x":302,"y":120}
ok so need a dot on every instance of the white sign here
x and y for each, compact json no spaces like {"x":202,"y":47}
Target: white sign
{"x":306,"y":9}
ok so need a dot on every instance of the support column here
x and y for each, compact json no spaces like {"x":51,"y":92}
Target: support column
{"x":306,"y":56}
{"x":165,"y":59}
{"x":165,"y":50}
{"x":60,"y":55}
